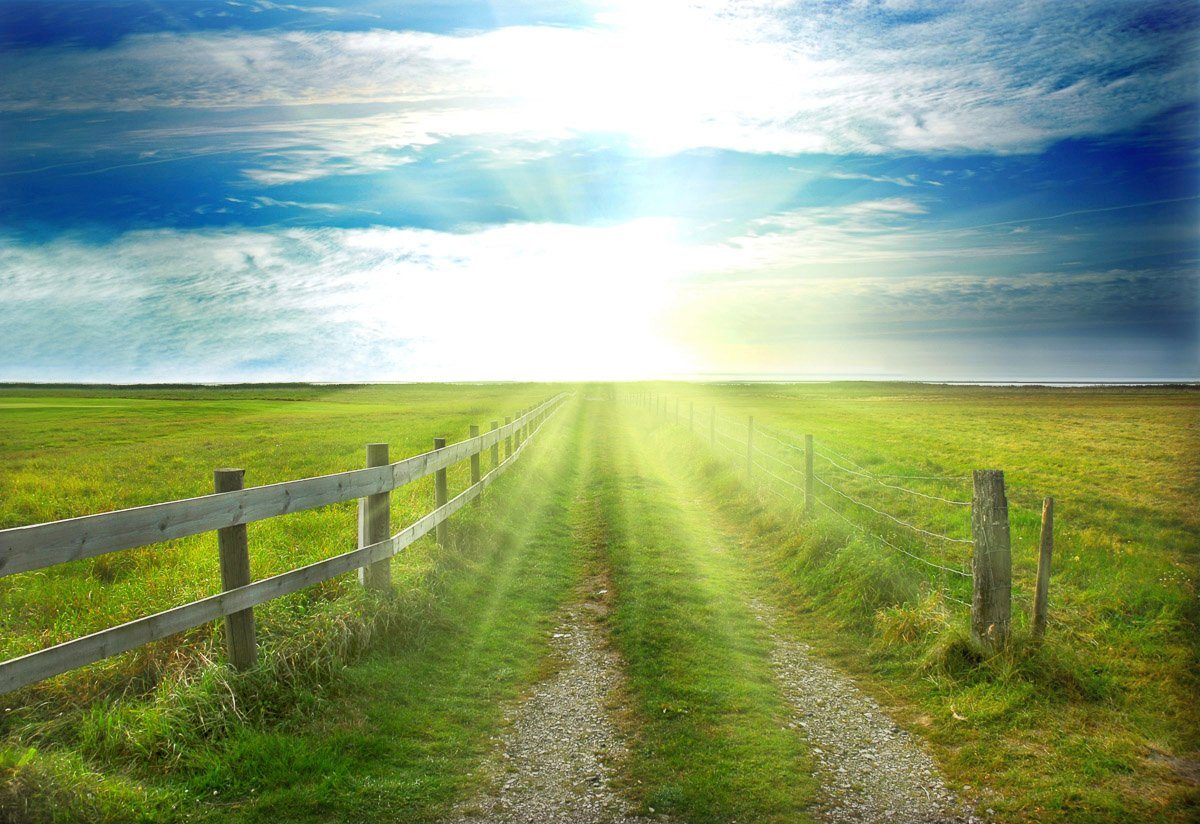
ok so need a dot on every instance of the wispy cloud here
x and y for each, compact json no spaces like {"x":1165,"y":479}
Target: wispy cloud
{"x":909,"y":181}
{"x":971,"y":77}
{"x":845,"y":238}
{"x":329,"y":304}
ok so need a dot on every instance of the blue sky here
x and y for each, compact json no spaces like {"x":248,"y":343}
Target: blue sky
{"x":339,"y":191}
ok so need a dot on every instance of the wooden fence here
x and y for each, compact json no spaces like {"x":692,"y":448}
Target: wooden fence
{"x":990,"y":569}
{"x":227,"y":512}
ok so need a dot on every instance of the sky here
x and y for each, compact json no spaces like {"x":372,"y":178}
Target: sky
{"x":247,"y":190}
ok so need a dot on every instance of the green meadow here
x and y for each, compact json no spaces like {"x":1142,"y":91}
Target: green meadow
{"x":384,"y":708}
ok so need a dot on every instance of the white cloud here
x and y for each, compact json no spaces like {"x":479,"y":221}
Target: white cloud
{"x":768,"y":77}
{"x":550,"y":300}
{"x":508,"y":302}
{"x":898,"y":181}
{"x":814,"y":240}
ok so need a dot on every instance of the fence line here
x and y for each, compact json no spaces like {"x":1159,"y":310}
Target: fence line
{"x":875,"y":479}
{"x":869,"y":473}
{"x":214,"y":509}
{"x":991,"y":562}
{"x":885,"y":541}
{"x":778,"y":478}
{"x":891,"y":517}
{"x":780,"y":461}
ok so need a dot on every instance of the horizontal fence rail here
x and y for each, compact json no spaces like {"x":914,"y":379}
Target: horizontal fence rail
{"x":26,"y":548}
{"x":128,"y":528}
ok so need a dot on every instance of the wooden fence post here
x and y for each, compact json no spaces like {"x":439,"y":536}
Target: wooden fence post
{"x":374,"y":525}
{"x":234,"y":551}
{"x":476,"y":474}
{"x":809,"y":478}
{"x":1042,"y":593}
{"x":991,"y":602}
{"x":496,"y":447}
{"x":750,"y":447}
{"x":508,"y":440}
{"x":440,"y":494}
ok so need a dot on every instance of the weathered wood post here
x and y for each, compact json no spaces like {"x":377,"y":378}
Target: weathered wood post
{"x":1041,"y":595}
{"x":750,"y":447}
{"x":508,"y":440}
{"x":374,"y":525}
{"x":441,"y":494}
{"x":809,"y":478}
{"x":496,"y":447}
{"x":691,"y":416}
{"x":476,"y":472}
{"x":991,"y":602}
{"x":234,"y":551}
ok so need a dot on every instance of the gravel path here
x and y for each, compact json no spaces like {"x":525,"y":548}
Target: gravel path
{"x":557,"y":760}
{"x":870,"y":769}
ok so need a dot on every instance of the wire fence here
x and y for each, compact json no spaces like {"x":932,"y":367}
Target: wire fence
{"x":922,"y":516}
{"x":882,"y":508}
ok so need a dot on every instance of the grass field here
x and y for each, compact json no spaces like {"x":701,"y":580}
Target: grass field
{"x":1101,"y":721}
{"x":370,"y":709}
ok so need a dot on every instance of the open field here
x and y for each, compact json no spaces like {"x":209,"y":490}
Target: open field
{"x":370,"y":709}
{"x":1101,"y":720}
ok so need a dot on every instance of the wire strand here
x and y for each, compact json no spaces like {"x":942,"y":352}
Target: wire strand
{"x":776,"y":477}
{"x":875,"y":479}
{"x":883,"y":540}
{"x":891,"y":517}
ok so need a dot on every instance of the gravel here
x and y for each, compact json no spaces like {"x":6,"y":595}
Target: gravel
{"x":870,"y":769}
{"x":557,"y":760}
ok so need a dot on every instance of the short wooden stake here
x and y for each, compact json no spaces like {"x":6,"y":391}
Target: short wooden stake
{"x":508,"y":440}
{"x":1041,"y":595}
{"x":234,"y":551}
{"x":991,"y":602}
{"x":496,"y":447}
{"x":750,"y":447}
{"x":374,"y":525}
{"x":441,"y":495}
{"x":809,"y":478}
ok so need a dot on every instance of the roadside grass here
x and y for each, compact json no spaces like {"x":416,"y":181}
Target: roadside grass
{"x":299,"y":735}
{"x":1099,"y":722}
{"x":708,"y":725}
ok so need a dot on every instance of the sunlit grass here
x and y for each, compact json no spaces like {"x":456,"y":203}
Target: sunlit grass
{"x":712,"y":744}
{"x":317,"y":730}
{"x":383,"y":710}
{"x":1084,"y":726}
